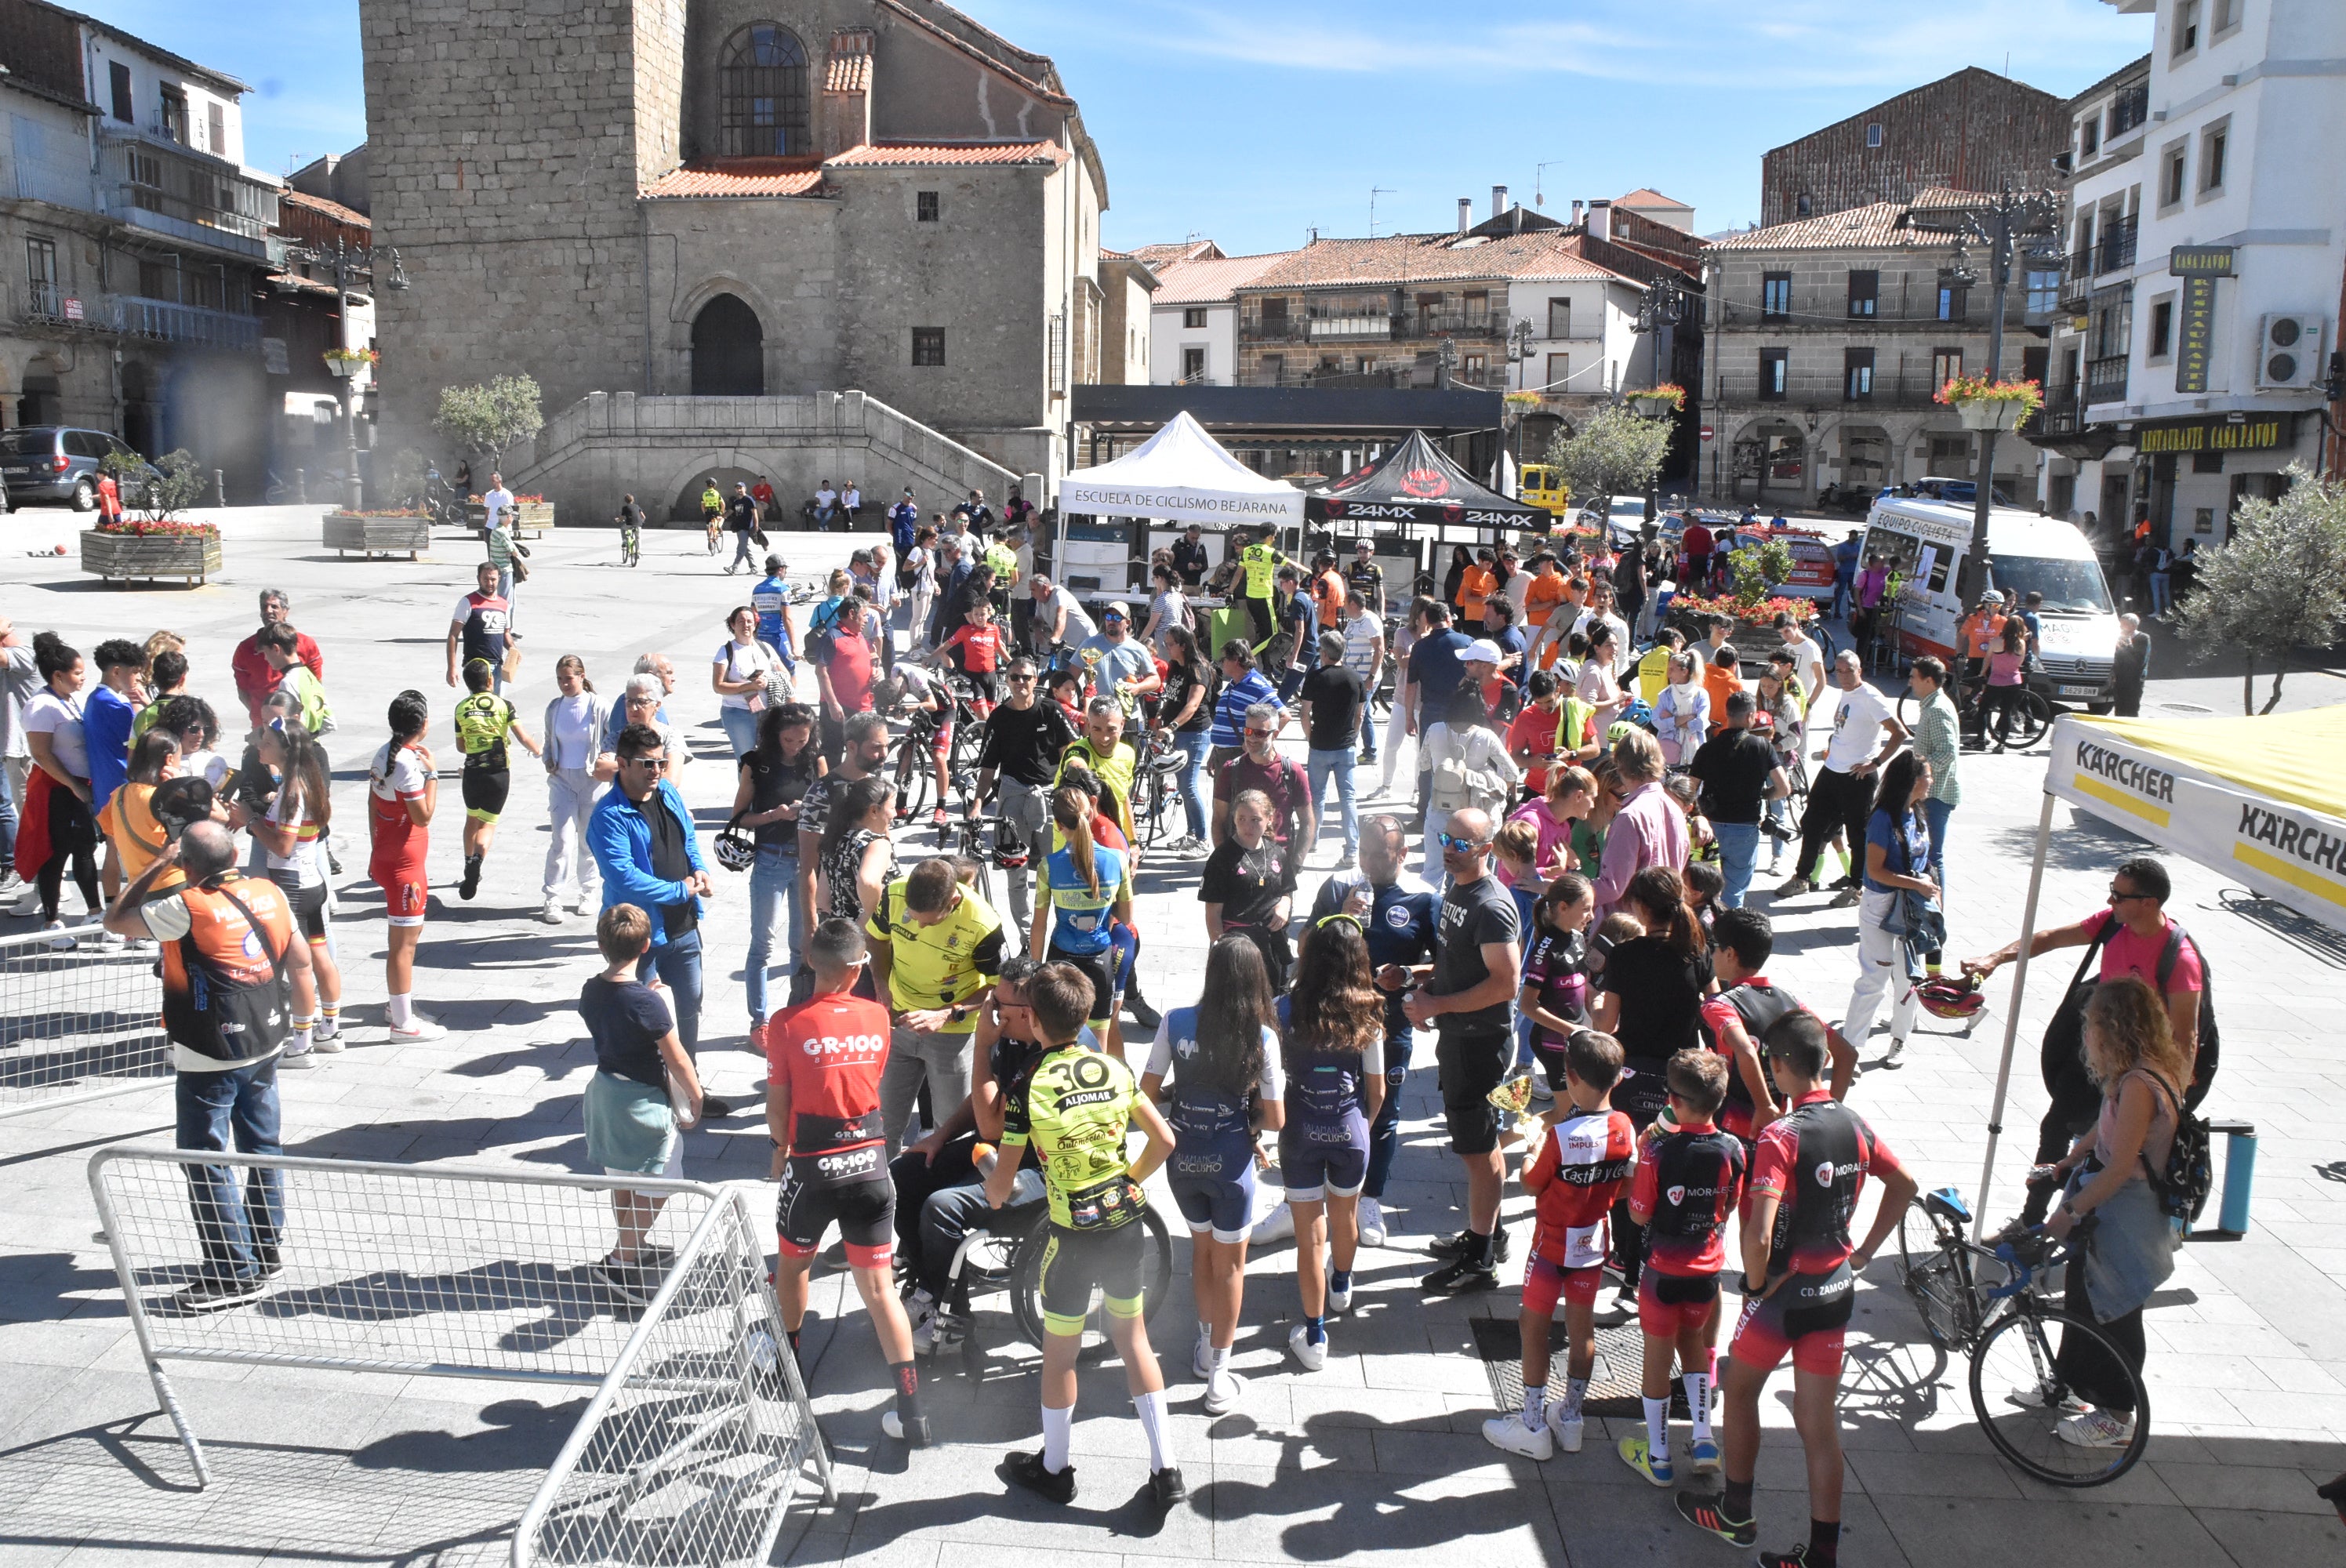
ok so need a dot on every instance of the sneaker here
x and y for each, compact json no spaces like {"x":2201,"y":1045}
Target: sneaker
{"x":2046,"y":1397}
{"x":331,"y":1044}
{"x":1848,"y":883}
{"x":1374,"y":1231}
{"x":472,"y":882}
{"x":1708,"y":1512}
{"x":917,"y":1434}
{"x":1313,"y":1357}
{"x":308,"y":1058}
{"x":921,"y":1309}
{"x":418,"y":1028}
{"x":1638,"y":1456}
{"x":1798,"y":887}
{"x":1147,"y":1017}
{"x":1347,"y":860}
{"x":111,"y":941}
{"x":939,"y":817}
{"x":1702,"y":1454}
{"x":1278,"y":1225}
{"x":1201,"y":1354}
{"x":1460,"y":1245}
{"x":2096,"y":1429}
{"x":1797,"y":1557}
{"x":1458,"y":1278}
{"x":1338,"y":1301}
{"x":1846,"y":898}
{"x":552,"y":913}
{"x":1224,"y":1393}
{"x":210,"y":1294}
{"x":715,"y":1108}
{"x":267,"y":1265}
{"x":1623,"y":1308}
{"x":1166,"y":1487}
{"x":1509,"y":1432}
{"x":61,"y":942}
{"x":631,"y":1281}
{"x":1568,"y":1429}
{"x":584,"y":904}
{"x":1897,"y":1049}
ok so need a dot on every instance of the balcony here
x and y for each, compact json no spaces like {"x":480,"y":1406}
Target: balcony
{"x":172,"y":323}
{"x":189,"y":197}
{"x":2116,"y":252}
{"x":1366,"y":327}
{"x":2106,"y":380}
{"x":2129,"y":109}
{"x":1350,"y":329}
{"x":2062,"y":413}
{"x":1459,"y":325}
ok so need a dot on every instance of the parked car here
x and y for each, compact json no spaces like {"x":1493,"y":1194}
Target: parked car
{"x":1624,"y":516}
{"x":60,"y":462}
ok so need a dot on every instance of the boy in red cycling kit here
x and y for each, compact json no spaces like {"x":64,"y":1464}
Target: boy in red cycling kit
{"x":978,"y":649}
{"x":1689,"y":1177}
{"x":1748,"y":1003}
{"x":1576,"y":1176}
{"x":824,"y":1061}
{"x":1799,"y":1271}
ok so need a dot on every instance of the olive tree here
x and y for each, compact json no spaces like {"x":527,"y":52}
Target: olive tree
{"x":1613,"y":453}
{"x":2280,"y":584}
{"x":487,"y":419}
{"x":170,"y":485}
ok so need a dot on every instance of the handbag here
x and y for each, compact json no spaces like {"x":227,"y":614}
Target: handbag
{"x":510,"y":666}
{"x":1915,"y":919}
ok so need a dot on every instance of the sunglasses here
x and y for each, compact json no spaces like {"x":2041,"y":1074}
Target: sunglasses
{"x":1017,"y":680}
{"x":652,"y":762}
{"x":2119,"y":898}
{"x":1261,"y":734}
{"x":1452,"y":841}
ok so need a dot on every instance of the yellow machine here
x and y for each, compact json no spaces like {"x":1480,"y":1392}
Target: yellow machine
{"x":1540,"y":486}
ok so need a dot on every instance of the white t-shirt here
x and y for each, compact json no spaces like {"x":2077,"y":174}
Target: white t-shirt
{"x":1518,"y":591}
{"x":920,"y":685}
{"x":742,"y":661}
{"x":918,"y":562}
{"x":303,"y":861}
{"x":1081,"y":628}
{"x":1361,"y":635}
{"x":1856,"y":720}
{"x":59,"y":718}
{"x":495,"y":503}
{"x":1161,"y":1054}
{"x":1809,"y":663}
{"x":571,"y":741}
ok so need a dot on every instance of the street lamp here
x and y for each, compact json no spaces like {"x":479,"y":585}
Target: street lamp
{"x":1663,"y":307}
{"x":1519,"y":352}
{"x":348,"y":261}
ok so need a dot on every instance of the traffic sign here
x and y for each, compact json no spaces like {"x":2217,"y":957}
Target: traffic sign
{"x":1706,"y":433}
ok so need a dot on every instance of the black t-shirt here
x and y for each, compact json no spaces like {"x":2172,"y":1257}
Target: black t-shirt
{"x":1025,"y":743}
{"x":1733,"y":766}
{"x":1662,"y":997}
{"x":1334,"y":694}
{"x":777,"y":784}
{"x":1473,"y":915}
{"x":1178,"y":683}
{"x":670,"y":863}
{"x":628,"y":1020}
{"x":1248,"y":883}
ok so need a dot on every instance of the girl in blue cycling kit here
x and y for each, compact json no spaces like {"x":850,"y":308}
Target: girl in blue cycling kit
{"x":1335,"y":1071}
{"x":1223,"y":1057}
{"x":1084,"y":888}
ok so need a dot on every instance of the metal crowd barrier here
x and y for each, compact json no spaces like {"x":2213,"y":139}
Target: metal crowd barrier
{"x":79,"y":1024}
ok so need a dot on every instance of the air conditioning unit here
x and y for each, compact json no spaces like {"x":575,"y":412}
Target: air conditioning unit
{"x":2289,"y":351}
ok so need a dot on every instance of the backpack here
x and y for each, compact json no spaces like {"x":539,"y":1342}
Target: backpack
{"x":2190,"y":1175}
{"x":2063,"y":1059}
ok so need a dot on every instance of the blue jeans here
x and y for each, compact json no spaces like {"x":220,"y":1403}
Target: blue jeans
{"x":741,"y":555}
{"x":1195,"y":797}
{"x":678,"y":963}
{"x":1384,"y":1133}
{"x":1738,"y":848}
{"x":1935,"y":813}
{"x":1316,"y":765}
{"x":773,"y":882}
{"x":740,"y":728}
{"x":1841,"y":585}
{"x":238,"y":1108}
{"x":2160,"y":597}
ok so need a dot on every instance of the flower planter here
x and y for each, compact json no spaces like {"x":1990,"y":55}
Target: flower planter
{"x":1652,"y":407}
{"x":529,"y":517}
{"x":346,"y":532}
{"x":1991,"y":413}
{"x":126,"y":557}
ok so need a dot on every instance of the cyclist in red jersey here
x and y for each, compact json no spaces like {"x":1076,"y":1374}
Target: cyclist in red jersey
{"x":1799,"y":1271}
{"x":824,"y":1061}
{"x":1741,"y":942}
{"x":403,"y":791}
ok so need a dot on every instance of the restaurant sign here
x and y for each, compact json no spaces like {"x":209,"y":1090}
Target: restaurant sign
{"x":2257,"y":432}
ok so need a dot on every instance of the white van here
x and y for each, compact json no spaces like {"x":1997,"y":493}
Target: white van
{"x":1925,"y":542}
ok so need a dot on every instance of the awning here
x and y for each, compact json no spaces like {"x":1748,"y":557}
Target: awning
{"x":1183,"y":475}
{"x":1417,"y":483}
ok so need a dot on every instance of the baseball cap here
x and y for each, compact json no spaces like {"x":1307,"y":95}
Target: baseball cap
{"x":1118,"y":607}
{"x":1484,"y":649}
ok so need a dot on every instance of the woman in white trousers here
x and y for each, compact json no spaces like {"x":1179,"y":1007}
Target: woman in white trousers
{"x":573,"y":734}
{"x":1897,"y":862}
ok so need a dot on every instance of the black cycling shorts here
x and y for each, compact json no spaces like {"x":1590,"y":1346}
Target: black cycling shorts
{"x":309,"y":904}
{"x":1099,"y":968}
{"x":1075,"y":1262}
{"x":485,"y":789}
{"x":1471,"y":1063}
{"x":850,"y":1188}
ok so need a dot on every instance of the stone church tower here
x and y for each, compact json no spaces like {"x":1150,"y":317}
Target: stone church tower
{"x":733,"y":199}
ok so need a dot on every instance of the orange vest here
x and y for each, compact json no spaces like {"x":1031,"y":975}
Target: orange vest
{"x":226,"y":995}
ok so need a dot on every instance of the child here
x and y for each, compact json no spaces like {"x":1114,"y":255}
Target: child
{"x":632,"y":1119}
{"x":1689,"y":1179}
{"x":977,"y":649}
{"x":1702,"y":844}
{"x":484,"y":721}
{"x":1517,"y":847}
{"x":1579,"y":1172}
{"x":1555,"y":999}
{"x":1705,"y":882}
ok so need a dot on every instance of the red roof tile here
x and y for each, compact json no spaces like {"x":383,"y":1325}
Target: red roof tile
{"x":1537,"y":255}
{"x":958,"y":153}
{"x":1207,"y":280}
{"x":736,"y":176}
{"x":1878,"y":227}
{"x":333,"y":209}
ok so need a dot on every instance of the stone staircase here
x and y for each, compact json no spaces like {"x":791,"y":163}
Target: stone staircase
{"x":662,"y":450}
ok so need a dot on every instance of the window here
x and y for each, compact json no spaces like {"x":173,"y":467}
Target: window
{"x":1775,"y":296}
{"x":118,"y":74}
{"x":928,"y":345}
{"x":1474,"y":369}
{"x":41,"y":269}
{"x":2043,"y":290}
{"x":2187,"y":26}
{"x":1954,"y":297}
{"x":1946,"y":364}
{"x":2227,"y":17}
{"x":1856,"y":374}
{"x":1193,"y":364}
{"x":1559,"y":373}
{"x":174,"y":114}
{"x":1559,"y":317}
{"x":2171,"y":178}
{"x":1873,"y":134}
{"x":924,"y":206}
{"x":1803,"y":205}
{"x":2089,"y":135}
{"x":2213,"y":142}
{"x":2162,"y":328}
{"x":1193,"y":316}
{"x":216,"y":121}
{"x":1775,"y":374}
{"x":146,"y":169}
{"x":1864,"y":290}
{"x":762,"y":94}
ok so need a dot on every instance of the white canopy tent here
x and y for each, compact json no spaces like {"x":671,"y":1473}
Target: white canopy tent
{"x":1182,"y":475}
{"x":2263,"y":799}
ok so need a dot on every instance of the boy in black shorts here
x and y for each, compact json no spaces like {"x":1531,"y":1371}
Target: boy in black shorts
{"x":484,"y":721}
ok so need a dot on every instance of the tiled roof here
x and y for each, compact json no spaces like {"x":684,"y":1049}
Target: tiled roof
{"x":1209,"y":279}
{"x":849,"y":66}
{"x":319,"y":204}
{"x":1646,"y":196}
{"x":740,"y":177}
{"x":1877,"y":227}
{"x":1546,"y":255}
{"x":1186,"y":250}
{"x":991,"y":152}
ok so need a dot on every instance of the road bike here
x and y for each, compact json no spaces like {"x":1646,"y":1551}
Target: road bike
{"x":1157,"y":807}
{"x":1010,"y":1258}
{"x":1994,"y":1303}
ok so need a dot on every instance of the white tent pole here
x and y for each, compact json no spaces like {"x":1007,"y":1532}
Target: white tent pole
{"x":2012,"y":1013}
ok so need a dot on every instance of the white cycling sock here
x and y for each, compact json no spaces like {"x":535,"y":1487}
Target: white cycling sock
{"x":1156,"y":1426}
{"x":1576,"y":1389}
{"x":1698,"y":1392}
{"x":1534,"y":1403}
{"x":1057,"y":1425}
{"x":1657,"y":1430}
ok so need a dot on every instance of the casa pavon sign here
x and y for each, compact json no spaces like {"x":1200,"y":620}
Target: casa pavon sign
{"x":2200,"y":261}
{"x":2257,"y":432}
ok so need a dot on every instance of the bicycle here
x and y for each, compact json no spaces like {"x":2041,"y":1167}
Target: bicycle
{"x":1990,"y":1301}
{"x":1010,"y":1258}
{"x":631,"y":543}
{"x":1159,"y":793}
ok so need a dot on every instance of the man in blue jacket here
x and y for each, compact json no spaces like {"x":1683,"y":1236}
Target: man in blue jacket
{"x":642,"y":839}
{"x":904,"y":523}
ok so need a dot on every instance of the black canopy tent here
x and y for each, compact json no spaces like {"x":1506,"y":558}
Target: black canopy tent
{"x":1416,"y":487}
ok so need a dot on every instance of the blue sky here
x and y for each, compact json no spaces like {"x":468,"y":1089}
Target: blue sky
{"x":1251,"y":122}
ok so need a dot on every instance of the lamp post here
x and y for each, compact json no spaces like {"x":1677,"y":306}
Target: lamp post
{"x":1519,"y":352}
{"x":348,"y":261}
{"x":1658,"y":314}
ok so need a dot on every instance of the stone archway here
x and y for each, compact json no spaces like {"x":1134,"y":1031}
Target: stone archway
{"x":729,"y":349}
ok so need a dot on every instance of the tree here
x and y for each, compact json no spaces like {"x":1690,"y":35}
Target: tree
{"x":2278,"y":585}
{"x":1613,"y":453}
{"x":489,"y":419}
{"x":173,"y":483}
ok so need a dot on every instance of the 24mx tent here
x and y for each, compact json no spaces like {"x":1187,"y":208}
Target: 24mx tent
{"x":1183,"y":476}
{"x":2262,"y":800}
{"x":1416,"y":483}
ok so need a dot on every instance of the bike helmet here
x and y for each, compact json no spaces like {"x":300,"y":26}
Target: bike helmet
{"x":1640,"y":714}
{"x":1009,"y":850}
{"x":734,"y":849}
{"x":1619,"y":727}
{"x":1944,"y":998}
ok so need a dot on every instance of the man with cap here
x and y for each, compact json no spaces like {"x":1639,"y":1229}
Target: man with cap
{"x":1189,"y":557}
{"x":1121,"y":667}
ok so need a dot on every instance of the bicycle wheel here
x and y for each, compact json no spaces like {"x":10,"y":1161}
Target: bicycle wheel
{"x":914,"y":782}
{"x":2021,"y":1353}
{"x":1026,"y":1283}
{"x":1932,"y":1276}
{"x":2031,"y":716}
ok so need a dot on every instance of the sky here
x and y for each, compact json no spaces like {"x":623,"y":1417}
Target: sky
{"x":1251,"y":121}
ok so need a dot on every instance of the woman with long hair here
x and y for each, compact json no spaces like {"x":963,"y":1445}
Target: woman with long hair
{"x":775,"y":777}
{"x":57,"y":826}
{"x":2007,"y":677}
{"x":2143,"y":1070}
{"x":402,"y":793}
{"x":1184,"y":717}
{"x":1223,"y":1057}
{"x":1461,"y":561}
{"x":129,"y":820}
{"x":1600,"y":685}
{"x":1334,"y":1064}
{"x":856,"y":861}
{"x":1082,"y":887}
{"x":574,"y":721}
{"x":1897,"y":862}
{"x":292,"y":836}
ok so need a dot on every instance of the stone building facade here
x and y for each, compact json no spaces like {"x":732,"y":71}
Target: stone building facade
{"x":737,"y":197}
{"x":1974,"y":130}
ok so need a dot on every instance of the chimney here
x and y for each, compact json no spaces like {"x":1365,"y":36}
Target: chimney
{"x":1465,"y":213}
{"x":1600,"y":220}
{"x":1575,"y":212}
{"x":1498,"y":199}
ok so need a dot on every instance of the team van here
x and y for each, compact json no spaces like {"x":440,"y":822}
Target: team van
{"x":1924,"y":541}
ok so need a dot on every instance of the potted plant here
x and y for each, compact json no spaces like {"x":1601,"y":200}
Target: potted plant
{"x":1984,"y":404}
{"x":348,"y":363}
{"x":389,"y":531}
{"x":1659,"y":401}
{"x":149,"y":539}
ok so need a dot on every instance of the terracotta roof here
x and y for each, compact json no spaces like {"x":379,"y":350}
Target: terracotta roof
{"x":1877,"y":227}
{"x":991,"y":152}
{"x":290,"y":197}
{"x":1186,"y":250}
{"x":1210,"y":280}
{"x":735,"y":177}
{"x":1542,"y":255}
{"x":1646,"y":196}
{"x":848,"y":67}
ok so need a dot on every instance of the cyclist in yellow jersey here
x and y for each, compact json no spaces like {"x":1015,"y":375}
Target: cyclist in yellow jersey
{"x":936,"y":951}
{"x":1261,"y":561}
{"x":1076,"y":1111}
{"x":484,"y":722}
{"x":1102,"y":748}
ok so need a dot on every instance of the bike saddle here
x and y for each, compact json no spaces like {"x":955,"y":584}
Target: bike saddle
{"x":1948,"y":1204}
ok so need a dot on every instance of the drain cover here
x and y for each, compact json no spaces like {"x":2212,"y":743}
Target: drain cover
{"x":1612,"y":1380}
